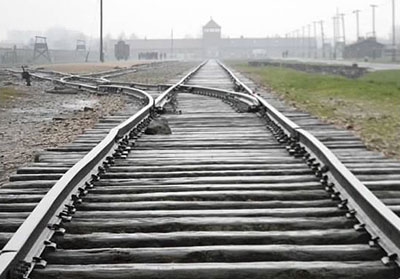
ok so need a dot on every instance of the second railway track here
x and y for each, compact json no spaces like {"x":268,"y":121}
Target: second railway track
{"x":218,"y":198}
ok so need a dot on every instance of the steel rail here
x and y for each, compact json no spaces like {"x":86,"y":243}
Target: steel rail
{"x":21,"y":253}
{"x":113,"y":71}
{"x":100,"y":78}
{"x":374,"y":216}
{"x":143,"y":86}
{"x":165,"y":97}
{"x":122,"y":71}
{"x":63,"y":80}
{"x":284,"y":121}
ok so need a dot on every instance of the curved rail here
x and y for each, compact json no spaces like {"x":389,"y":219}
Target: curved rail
{"x":165,"y":97}
{"x":28,"y":242}
{"x":97,"y":79}
{"x":375,"y":217}
{"x":285,"y":122}
{"x":251,"y":102}
{"x":21,"y":253}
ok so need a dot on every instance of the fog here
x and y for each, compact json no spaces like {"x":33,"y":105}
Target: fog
{"x":156,"y":18}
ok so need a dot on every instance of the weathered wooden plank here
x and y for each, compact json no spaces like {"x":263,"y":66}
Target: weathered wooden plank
{"x":259,"y":270}
{"x":197,"y":254}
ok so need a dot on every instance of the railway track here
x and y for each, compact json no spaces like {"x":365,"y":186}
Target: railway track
{"x":237,"y":190}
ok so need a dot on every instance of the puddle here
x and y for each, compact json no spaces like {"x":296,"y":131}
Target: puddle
{"x":79,"y":104}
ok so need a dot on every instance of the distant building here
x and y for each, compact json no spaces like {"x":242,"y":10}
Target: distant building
{"x":364,"y":48}
{"x":211,"y":39}
{"x":212,"y":45}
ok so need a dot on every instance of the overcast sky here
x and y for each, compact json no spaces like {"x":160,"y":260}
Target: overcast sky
{"x":156,"y":18}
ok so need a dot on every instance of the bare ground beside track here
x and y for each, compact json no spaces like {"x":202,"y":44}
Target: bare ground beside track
{"x":32,"y":120}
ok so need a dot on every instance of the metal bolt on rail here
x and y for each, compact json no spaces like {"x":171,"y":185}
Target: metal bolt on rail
{"x":359,"y":227}
{"x":351,"y":214}
{"x":343,"y":204}
{"x":374,"y":242}
{"x":58,"y":230}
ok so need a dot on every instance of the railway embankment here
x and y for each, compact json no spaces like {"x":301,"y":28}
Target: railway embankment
{"x":368,"y":105}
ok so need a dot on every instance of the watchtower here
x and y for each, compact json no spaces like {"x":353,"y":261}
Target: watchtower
{"x":41,"y":48}
{"x":211,"y":38}
{"x":211,"y":32}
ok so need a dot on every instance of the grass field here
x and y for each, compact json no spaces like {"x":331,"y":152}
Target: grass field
{"x":7,"y":94}
{"x":369,"y":105}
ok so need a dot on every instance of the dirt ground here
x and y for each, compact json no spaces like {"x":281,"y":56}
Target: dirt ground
{"x":32,"y":120}
{"x":161,"y":73}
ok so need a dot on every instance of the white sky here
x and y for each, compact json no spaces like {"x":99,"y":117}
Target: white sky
{"x":155,"y":18}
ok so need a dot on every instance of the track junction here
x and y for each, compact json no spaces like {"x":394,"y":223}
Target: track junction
{"x":242,"y":188}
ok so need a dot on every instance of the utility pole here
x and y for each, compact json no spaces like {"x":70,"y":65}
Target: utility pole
{"x":334,"y":36}
{"x":101,"y":32}
{"x":287,"y":42}
{"x":322,"y":38}
{"x":297,"y":42}
{"x":172,"y":43}
{"x":394,"y":31}
{"x":343,"y":28}
{"x":303,"y":41}
{"x":294,"y":43}
{"x":373,"y":20}
{"x":357,"y":12}
{"x":315,"y":40}
{"x":309,"y":40}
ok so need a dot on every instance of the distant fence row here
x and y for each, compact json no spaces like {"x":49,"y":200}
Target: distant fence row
{"x":26,"y":56}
